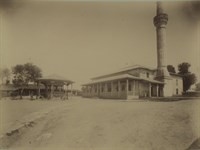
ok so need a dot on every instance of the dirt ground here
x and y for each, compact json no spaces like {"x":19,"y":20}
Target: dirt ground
{"x":82,"y":123}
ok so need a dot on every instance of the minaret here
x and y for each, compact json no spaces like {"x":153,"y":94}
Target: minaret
{"x":160,"y":22}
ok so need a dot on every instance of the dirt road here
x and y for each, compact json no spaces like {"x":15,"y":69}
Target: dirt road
{"x":114,"y":124}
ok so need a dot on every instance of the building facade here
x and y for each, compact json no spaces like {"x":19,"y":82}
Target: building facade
{"x":132,"y":83}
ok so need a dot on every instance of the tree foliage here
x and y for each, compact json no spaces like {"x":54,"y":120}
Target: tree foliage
{"x":171,"y":69}
{"x":188,"y":77}
{"x":183,"y":68}
{"x":23,"y":74}
{"x":5,"y":73}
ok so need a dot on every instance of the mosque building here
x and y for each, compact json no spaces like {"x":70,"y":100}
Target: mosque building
{"x":139,"y":81}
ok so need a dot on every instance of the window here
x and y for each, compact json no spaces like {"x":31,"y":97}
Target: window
{"x":123,"y":87}
{"x":176,"y":91}
{"x":147,"y":75}
{"x":95,"y":89}
{"x":176,"y":81}
{"x":129,"y":87}
{"x":109,"y":87}
{"x":117,"y":88}
{"x":102,"y":88}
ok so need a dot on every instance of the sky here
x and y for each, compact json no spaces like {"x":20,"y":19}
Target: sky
{"x":81,"y":40}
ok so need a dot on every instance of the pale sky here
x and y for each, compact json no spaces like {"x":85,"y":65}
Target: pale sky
{"x":83,"y":40}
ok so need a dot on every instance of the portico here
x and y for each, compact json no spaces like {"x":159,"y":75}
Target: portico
{"x":123,"y":87}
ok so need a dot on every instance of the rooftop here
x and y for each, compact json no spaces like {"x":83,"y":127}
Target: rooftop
{"x":123,"y":76}
{"x":127,"y":68}
{"x":55,"y":78}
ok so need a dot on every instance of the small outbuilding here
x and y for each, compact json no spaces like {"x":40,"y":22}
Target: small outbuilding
{"x":55,"y":86}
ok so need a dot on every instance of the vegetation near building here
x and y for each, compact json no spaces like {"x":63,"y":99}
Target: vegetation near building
{"x":23,"y":74}
{"x":171,"y":69}
{"x":188,"y":77}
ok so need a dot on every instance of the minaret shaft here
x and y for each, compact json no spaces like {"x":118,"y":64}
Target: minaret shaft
{"x":160,"y":21}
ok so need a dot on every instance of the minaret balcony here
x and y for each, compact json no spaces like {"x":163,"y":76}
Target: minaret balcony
{"x":160,"y":20}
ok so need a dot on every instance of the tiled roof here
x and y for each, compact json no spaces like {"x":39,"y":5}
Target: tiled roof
{"x":55,"y":78}
{"x":125,"y":69}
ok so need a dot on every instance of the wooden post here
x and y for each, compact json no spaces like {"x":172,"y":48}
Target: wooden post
{"x":133,"y":83}
{"x":112,"y":88}
{"x":100,"y":90}
{"x":127,"y":85}
{"x":97,"y":89}
{"x":157,"y":90}
{"x":46,"y":90}
{"x":67,"y":91}
{"x":71,"y":90}
{"x":51,"y":90}
{"x":39,"y":90}
{"x":119,"y":89}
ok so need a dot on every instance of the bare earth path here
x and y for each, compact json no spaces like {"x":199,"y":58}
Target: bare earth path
{"x":114,"y":124}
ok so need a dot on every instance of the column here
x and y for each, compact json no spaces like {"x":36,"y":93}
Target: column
{"x":149,"y":89}
{"x":157,"y":90}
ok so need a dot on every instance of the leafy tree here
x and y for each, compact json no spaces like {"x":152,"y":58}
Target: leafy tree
{"x":171,"y":69}
{"x":183,"y":68}
{"x":23,"y":74}
{"x":5,"y":73}
{"x":188,"y":77}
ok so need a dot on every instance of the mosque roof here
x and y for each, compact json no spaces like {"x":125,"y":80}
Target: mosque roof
{"x":127,"y":68}
{"x":123,"y":76}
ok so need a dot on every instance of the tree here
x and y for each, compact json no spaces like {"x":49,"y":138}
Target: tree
{"x":23,"y":74}
{"x":5,"y":74}
{"x":171,"y":69}
{"x":188,"y":77}
{"x":183,"y":68}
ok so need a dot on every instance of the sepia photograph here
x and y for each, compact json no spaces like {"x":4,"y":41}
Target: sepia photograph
{"x":99,"y":75}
